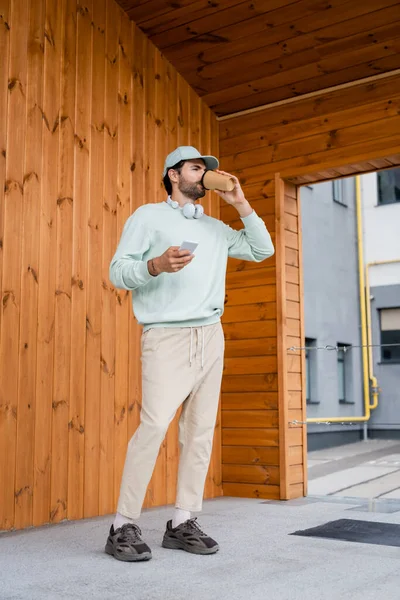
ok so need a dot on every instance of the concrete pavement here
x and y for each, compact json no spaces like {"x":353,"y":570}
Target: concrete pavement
{"x":368,"y":469}
{"x":258,"y":560}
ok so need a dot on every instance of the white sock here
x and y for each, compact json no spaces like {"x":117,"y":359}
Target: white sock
{"x":121,"y":520}
{"x":180,"y":516}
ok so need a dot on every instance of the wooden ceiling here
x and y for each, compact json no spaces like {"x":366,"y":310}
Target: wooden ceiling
{"x":239,"y":55}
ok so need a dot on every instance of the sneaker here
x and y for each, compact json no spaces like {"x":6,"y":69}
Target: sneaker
{"x":126,"y":544}
{"x":188,"y":536}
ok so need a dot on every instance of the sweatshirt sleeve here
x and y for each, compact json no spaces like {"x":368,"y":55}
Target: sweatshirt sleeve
{"x":128,"y":270}
{"x":251,"y":243}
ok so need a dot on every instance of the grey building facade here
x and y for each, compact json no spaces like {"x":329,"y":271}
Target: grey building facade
{"x":334,"y":373}
{"x":332,"y":310}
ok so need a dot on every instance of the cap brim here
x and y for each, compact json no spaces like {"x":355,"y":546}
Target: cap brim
{"x":211,"y":162}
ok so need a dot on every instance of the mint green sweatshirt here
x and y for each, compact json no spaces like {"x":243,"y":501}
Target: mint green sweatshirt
{"x":194,"y":296}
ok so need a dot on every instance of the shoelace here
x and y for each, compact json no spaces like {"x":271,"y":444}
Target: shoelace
{"x":132,"y":532}
{"x":191,"y":525}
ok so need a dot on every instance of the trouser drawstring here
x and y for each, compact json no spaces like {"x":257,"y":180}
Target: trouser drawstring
{"x":191,"y":346}
{"x":202,"y":346}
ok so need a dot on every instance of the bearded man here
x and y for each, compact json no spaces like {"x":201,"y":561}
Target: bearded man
{"x":178,"y":297}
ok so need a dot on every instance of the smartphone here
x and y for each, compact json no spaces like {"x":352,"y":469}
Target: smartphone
{"x":187,"y":245}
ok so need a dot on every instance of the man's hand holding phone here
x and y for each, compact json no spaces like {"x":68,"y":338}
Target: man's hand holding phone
{"x":173,"y":260}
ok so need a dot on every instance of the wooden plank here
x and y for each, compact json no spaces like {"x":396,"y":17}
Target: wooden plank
{"x":143,"y":11}
{"x":250,"y":436}
{"x":235,"y":265}
{"x":156,"y":494}
{"x":296,"y":491}
{"x":250,"y":401}
{"x":295,"y":436}
{"x":172,"y":456}
{"x":76,"y":446}
{"x":262,"y":205}
{"x":293,"y":309}
{"x":249,"y":418}
{"x":256,"y":347}
{"x":64,"y":251}
{"x":94,"y":242}
{"x":292,"y":274}
{"x":293,"y":364}
{"x":263,"y":276}
{"x":109,"y":245}
{"x":293,"y":343}
{"x":210,"y":137}
{"x":386,"y":61}
{"x":11,"y":298}
{"x":294,"y":400}
{"x":48,"y":505}
{"x":29,"y":269}
{"x":250,"y":365}
{"x":183,"y":112}
{"x":289,"y":42}
{"x":263,"y":474}
{"x":156,"y":23}
{"x":292,"y":291}
{"x":292,"y":257}
{"x":152,"y":173}
{"x":4,"y":97}
{"x":268,"y":220}
{"x":250,"y":330}
{"x":295,"y":415}
{"x":282,"y":331}
{"x":335,"y":102}
{"x":328,"y":54}
{"x":290,"y":222}
{"x":137,"y":199}
{"x":250,"y":490}
{"x":293,"y":327}
{"x":250,"y":295}
{"x":123,"y":305}
{"x":246,"y":455}
{"x":274,"y":17}
{"x":261,"y":311}
{"x":291,"y":240}
{"x":294,"y":382}
{"x":232,"y":15}
{"x":296,"y":474}
{"x":295,"y":455}
{"x":343,"y":136}
{"x":266,"y":382}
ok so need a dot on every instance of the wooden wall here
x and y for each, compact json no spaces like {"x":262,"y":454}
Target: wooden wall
{"x":88,"y":111}
{"x":338,"y":133}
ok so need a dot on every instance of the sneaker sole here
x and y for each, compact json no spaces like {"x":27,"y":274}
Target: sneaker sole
{"x":132,"y":558}
{"x":177,"y":545}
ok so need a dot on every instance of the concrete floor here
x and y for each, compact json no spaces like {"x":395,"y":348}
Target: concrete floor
{"x":258,"y":559}
{"x":368,"y":469}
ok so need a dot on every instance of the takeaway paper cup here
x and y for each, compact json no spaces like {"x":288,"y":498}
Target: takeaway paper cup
{"x":215,"y":181}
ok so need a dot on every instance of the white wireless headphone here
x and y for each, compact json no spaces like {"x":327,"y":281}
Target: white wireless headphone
{"x":190,"y":211}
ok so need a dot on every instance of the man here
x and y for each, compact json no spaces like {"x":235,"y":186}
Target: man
{"x":178,"y":297}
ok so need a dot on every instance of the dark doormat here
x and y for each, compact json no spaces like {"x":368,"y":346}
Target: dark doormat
{"x":352,"y":530}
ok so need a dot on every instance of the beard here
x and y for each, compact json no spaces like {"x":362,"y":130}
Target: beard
{"x":194,"y":191}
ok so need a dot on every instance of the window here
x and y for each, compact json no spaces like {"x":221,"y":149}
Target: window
{"x":343,"y":373}
{"x":310,"y":372}
{"x":337,"y":192}
{"x":390,"y":334}
{"x":389,"y":186}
